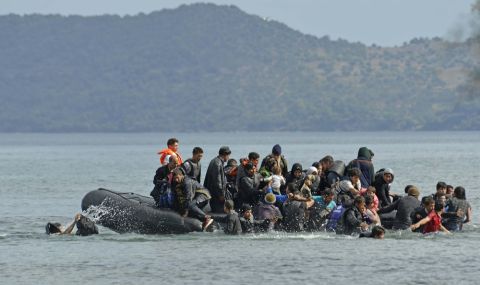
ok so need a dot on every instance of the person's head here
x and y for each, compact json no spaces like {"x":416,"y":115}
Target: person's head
{"x":365,"y":153}
{"x":254,"y":157}
{"x":441,"y":188}
{"x":270,"y":198}
{"x":172,"y":144}
{"x":277,"y":150}
{"x":297,"y":170}
{"x":360,"y":203}
{"x":449,"y":190}
{"x":276,"y":170}
{"x":407,"y":188}
{"x":312,"y":170}
{"x":459,"y":193}
{"x":328,"y":196}
{"x":249,"y":169}
{"x":388,"y":175}
{"x":429,"y":204}
{"x":232,"y":162}
{"x":53,"y":228}
{"x":378,"y":232}
{"x":439,"y":207}
{"x":318,"y":166}
{"x":354,"y":175}
{"x":172,"y":162}
{"x":246,"y":211}
{"x":369,"y":202}
{"x":326,"y":162}
{"x":224,"y":153}
{"x":228,"y":206}
{"x":371,"y":191}
{"x":197,"y":154}
{"x":178,"y":175}
{"x":413,"y":191}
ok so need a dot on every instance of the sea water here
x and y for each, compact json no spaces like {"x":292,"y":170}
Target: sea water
{"x":43,"y":178}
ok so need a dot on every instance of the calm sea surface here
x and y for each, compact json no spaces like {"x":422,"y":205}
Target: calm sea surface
{"x":43,"y":178}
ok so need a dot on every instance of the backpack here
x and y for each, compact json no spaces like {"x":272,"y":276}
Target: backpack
{"x":86,"y":227}
{"x":162,"y":194}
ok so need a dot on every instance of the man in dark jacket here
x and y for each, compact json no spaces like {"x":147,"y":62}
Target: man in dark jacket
{"x":231,"y":220}
{"x":189,"y":198}
{"x":353,"y":220}
{"x":364,"y":163}
{"x":248,"y":188}
{"x":215,"y":180}
{"x":295,"y":176}
{"x":164,"y":172}
{"x":192,"y":166}
{"x":405,"y":207}
{"x":253,"y":157}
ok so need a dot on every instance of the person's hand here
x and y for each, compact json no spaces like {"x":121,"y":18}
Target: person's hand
{"x":364,"y":226}
{"x":78,"y":216}
{"x":413,"y":227}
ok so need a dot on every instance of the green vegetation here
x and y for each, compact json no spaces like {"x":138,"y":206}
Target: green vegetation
{"x":204,"y":67}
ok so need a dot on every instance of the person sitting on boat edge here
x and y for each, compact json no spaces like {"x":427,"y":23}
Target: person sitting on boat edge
{"x":172,"y":149}
{"x":190,"y":198}
{"x":85,"y":227}
{"x":231,"y":220}
{"x":364,"y":163}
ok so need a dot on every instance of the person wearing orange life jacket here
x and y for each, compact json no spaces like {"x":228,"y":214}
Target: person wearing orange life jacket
{"x":172,"y":148}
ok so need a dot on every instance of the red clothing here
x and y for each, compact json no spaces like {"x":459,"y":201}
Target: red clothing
{"x":434,"y":224}
{"x":165,"y":152}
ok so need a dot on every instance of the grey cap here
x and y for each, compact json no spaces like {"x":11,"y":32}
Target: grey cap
{"x":388,"y":170}
{"x":224,"y":150}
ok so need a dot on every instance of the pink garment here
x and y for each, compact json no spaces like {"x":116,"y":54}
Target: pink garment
{"x":363,"y":192}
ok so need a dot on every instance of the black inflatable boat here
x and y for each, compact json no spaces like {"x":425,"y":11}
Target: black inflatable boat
{"x":130,"y":212}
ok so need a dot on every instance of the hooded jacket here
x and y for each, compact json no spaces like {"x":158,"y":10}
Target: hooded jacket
{"x":382,"y":189}
{"x":364,"y":163}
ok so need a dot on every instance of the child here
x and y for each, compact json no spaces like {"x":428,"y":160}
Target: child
{"x":277,"y":179}
{"x":370,"y":191}
{"x":433,"y":222}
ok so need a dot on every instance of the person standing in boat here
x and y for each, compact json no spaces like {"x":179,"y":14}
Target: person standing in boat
{"x":192,"y":166}
{"x":216,"y":181}
{"x":172,"y":149}
{"x":189,"y":198}
{"x":253,"y":157}
{"x":275,"y":158}
{"x":364,"y":163}
{"x":248,"y":187}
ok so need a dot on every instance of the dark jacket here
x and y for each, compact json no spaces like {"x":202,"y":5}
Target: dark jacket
{"x":382,"y":190}
{"x":405,"y":207}
{"x":248,"y":191}
{"x":418,"y":214}
{"x":184,"y":193}
{"x":192,"y":169}
{"x":216,"y":183}
{"x":253,"y":226}
{"x":294,"y":220}
{"x":364,"y":163}
{"x":298,"y":181}
{"x":161,"y":174}
{"x":350,"y":222}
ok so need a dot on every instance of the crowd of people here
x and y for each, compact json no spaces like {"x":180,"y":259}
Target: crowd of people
{"x":330,"y":195}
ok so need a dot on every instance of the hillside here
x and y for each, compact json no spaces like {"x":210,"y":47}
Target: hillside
{"x":204,"y":67}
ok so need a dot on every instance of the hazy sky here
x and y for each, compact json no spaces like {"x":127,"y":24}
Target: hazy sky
{"x":383,"y":22}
